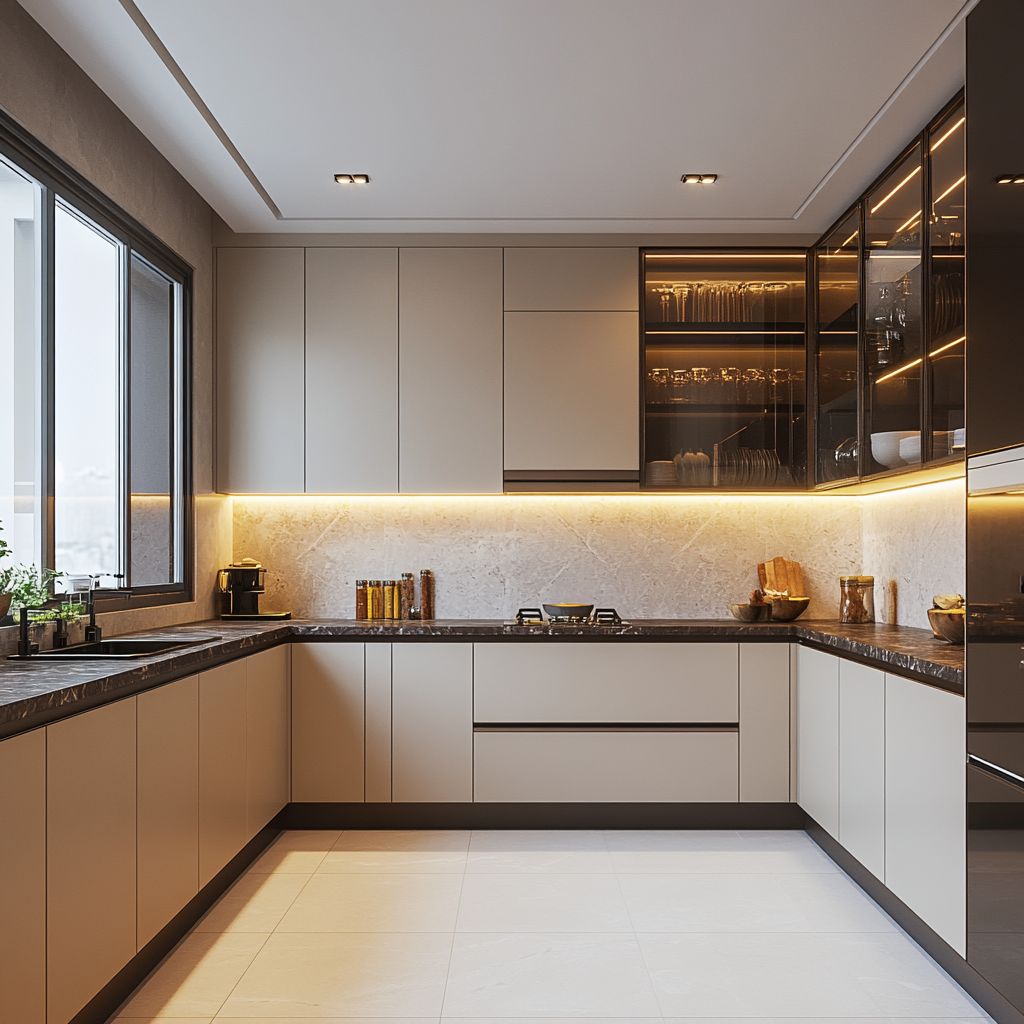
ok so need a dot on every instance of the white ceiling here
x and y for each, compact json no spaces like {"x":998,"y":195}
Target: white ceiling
{"x":521,"y":115}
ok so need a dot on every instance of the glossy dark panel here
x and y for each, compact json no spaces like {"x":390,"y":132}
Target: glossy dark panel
{"x":995,"y":884}
{"x":995,"y":226}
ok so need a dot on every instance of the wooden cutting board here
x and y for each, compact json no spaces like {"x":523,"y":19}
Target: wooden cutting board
{"x":782,"y":576}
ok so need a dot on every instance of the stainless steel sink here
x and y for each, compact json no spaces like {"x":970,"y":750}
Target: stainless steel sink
{"x":123,"y":648}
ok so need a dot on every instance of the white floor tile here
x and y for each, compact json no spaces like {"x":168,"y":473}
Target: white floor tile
{"x":542,"y":903}
{"x":404,"y":852}
{"x":197,"y":977}
{"x":673,"y":852}
{"x":901,"y":979}
{"x":548,"y":975}
{"x":710,"y":903}
{"x":752,"y":975}
{"x":255,"y":903}
{"x":834,"y":903}
{"x":357,"y":902}
{"x":507,"y":852}
{"x":344,"y":975}
{"x":298,"y":852}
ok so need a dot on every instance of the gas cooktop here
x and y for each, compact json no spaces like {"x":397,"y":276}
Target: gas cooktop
{"x":534,"y":617}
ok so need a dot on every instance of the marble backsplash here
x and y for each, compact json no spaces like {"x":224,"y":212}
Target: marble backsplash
{"x":647,"y":556}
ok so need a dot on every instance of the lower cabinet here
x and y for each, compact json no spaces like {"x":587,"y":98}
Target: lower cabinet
{"x":23,"y":878}
{"x":764,"y":723}
{"x":432,"y":722}
{"x":605,"y":765}
{"x":328,"y":684}
{"x":267,"y":736}
{"x":168,"y":803}
{"x":90,"y":854}
{"x":222,"y":767}
{"x":862,"y":764}
{"x":881,"y":765}
{"x":926,"y":804}
{"x":817,"y":744}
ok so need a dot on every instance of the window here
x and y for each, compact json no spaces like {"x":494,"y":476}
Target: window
{"x":94,"y":357}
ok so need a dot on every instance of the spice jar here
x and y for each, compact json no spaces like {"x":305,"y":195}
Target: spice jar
{"x":361,"y":586}
{"x":426,"y":594}
{"x":856,"y":598}
{"x":390,"y":604}
{"x":406,"y":595}
{"x":375,"y":600}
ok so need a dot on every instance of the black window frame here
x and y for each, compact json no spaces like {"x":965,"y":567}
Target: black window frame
{"x":57,"y":178}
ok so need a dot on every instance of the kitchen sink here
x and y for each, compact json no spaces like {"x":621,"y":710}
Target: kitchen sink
{"x":125,"y":648}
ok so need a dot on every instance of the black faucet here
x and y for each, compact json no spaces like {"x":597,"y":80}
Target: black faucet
{"x":93,"y":633}
{"x":25,"y":647}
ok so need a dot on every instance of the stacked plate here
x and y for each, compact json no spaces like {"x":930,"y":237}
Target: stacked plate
{"x":662,"y":474}
{"x":748,"y":467}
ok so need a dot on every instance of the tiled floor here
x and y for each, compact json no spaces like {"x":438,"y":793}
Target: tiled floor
{"x":621,"y":926}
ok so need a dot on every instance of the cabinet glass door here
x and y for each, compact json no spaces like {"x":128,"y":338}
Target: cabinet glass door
{"x":893,"y":318}
{"x":946,"y":336}
{"x":837,"y":261}
{"x":725,"y":370}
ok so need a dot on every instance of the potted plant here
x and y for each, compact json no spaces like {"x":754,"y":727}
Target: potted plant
{"x":5,"y":596}
{"x":27,"y":587}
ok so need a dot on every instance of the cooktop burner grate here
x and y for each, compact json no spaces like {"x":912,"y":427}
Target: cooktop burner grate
{"x":600,"y":617}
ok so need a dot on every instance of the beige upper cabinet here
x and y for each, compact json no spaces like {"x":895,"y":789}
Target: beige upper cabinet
{"x":260,"y":370}
{"x":450,"y":370}
{"x":572,"y":279}
{"x":351,"y":371}
{"x":572,"y":393}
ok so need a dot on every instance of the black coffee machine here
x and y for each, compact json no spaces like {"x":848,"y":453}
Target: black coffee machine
{"x":240,"y":586}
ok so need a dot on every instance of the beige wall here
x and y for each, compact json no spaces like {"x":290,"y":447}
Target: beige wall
{"x":648,"y":556}
{"x":51,"y":97}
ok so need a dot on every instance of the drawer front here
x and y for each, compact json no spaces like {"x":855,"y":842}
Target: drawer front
{"x":606,"y":682}
{"x":549,"y":766}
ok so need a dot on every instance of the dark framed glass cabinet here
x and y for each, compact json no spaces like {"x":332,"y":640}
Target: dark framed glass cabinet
{"x":724,"y":365}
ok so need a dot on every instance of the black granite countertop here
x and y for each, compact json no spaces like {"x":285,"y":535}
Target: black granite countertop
{"x":36,"y":691}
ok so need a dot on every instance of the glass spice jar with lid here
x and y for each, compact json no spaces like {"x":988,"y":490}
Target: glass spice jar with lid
{"x":856,"y":598}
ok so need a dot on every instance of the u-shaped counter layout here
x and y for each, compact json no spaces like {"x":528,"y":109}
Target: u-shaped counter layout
{"x":133,"y":792}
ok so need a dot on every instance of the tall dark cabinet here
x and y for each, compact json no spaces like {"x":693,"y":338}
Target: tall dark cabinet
{"x":995,"y":504}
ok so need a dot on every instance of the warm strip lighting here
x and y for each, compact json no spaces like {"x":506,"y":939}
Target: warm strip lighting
{"x":916,"y":170}
{"x":948,"y":190}
{"x":899,"y":370}
{"x":944,"y":348}
{"x":850,"y":239}
{"x":724,"y":256}
{"x":729,"y":333}
{"x":917,"y":362}
{"x":908,"y":223}
{"x":939,"y":142}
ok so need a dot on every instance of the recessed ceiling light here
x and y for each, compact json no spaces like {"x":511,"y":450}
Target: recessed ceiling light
{"x":699,"y":179}
{"x":352,"y":179}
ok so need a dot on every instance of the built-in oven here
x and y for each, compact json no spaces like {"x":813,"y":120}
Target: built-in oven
{"x":995,"y":720}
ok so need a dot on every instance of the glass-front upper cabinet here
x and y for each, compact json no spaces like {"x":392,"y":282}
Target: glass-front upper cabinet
{"x":725,"y":370}
{"x":893,"y":316}
{"x":837,"y":274}
{"x":946,"y":335}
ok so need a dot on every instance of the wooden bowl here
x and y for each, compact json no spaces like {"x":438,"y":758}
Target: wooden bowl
{"x":947,"y":624}
{"x":786,"y":609}
{"x":751,"y":612}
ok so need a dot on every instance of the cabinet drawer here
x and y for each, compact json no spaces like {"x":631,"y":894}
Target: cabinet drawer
{"x":551,"y":766}
{"x":606,"y":682}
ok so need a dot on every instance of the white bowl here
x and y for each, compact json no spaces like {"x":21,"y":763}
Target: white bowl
{"x":910,"y":447}
{"x":885,"y":447}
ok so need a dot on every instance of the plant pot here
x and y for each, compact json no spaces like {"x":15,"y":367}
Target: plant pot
{"x":5,"y":604}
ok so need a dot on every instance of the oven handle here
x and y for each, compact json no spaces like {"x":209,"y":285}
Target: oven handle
{"x":995,"y":771}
